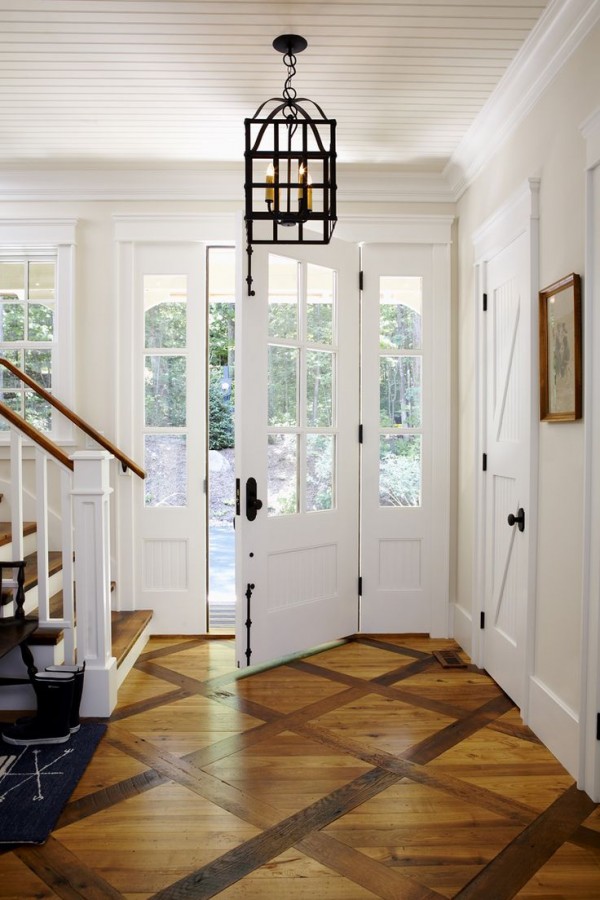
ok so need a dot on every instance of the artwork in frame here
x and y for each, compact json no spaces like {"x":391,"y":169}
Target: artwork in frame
{"x":560,"y":350}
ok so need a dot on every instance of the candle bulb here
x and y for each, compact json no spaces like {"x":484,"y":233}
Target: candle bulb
{"x":301,"y":171}
{"x":270,"y":178}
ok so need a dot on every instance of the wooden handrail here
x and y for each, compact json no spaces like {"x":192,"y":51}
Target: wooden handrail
{"x":40,"y":439}
{"x":72,"y":417}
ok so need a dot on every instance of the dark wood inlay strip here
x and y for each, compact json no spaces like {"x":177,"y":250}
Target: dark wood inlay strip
{"x":586,"y":837}
{"x":234,"y":865}
{"x":456,"y":732}
{"x":65,"y":874}
{"x":370,"y":874}
{"x":511,"y":809}
{"x":194,"y":686}
{"x":445,"y":709}
{"x":403,"y":672}
{"x":514,"y":866}
{"x":522,"y":732}
{"x":379,"y":644}
{"x":148,"y":655}
{"x":150,"y":703}
{"x":244,"y":806}
{"x":109,"y":796}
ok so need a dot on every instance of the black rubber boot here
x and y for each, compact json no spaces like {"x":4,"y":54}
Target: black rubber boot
{"x":74,"y":723}
{"x":78,"y":672}
{"x":54,"y":692}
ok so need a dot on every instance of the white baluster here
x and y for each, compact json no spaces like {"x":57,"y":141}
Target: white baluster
{"x":66,"y":485}
{"x":41,"y":503}
{"x":16,"y":493}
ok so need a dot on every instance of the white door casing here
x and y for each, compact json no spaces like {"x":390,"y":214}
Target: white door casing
{"x":298,"y":568}
{"x":405,"y":533}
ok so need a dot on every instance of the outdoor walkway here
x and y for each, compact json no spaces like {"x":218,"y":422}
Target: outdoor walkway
{"x":221,"y":587}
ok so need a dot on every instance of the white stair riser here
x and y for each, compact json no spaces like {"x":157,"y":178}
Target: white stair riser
{"x":29,"y":546}
{"x":31,"y":597}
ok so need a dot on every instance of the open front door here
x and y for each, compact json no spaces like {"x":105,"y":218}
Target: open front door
{"x":297,"y":449}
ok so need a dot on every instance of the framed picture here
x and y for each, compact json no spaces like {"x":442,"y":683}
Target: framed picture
{"x":560,"y":350}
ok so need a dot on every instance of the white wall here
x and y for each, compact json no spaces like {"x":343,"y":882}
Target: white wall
{"x":547,"y":145}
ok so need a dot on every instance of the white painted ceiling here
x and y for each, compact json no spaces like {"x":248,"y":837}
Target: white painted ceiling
{"x":151,"y":82}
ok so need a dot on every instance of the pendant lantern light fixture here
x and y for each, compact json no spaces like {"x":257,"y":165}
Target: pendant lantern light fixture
{"x":290,"y":166}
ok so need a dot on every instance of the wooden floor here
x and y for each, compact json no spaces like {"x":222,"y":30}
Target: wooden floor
{"x":366,"y":770}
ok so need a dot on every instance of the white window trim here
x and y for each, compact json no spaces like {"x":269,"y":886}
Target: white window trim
{"x":58,"y":237}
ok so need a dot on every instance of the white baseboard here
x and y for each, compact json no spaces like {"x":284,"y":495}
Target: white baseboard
{"x":555,"y":723}
{"x":462,"y":628}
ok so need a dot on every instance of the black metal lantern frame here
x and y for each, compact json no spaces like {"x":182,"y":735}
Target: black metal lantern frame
{"x":290,"y":166}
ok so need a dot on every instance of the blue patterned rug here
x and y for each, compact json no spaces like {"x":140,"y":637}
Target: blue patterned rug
{"x":36,"y":782}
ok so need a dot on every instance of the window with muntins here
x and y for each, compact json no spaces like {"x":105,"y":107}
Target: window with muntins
{"x":28,"y":333}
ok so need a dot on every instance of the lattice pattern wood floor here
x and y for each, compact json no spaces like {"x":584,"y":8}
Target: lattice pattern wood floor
{"x":366,"y":770}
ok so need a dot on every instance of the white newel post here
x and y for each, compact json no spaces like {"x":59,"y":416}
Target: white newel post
{"x":91,"y":518}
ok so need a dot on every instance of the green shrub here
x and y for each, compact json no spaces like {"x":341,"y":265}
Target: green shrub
{"x":221,"y":430}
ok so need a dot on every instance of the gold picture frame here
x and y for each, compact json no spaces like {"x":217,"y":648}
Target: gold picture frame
{"x":560,"y":350}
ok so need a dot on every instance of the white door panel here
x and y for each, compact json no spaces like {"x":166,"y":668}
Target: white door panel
{"x":297,"y":436}
{"x":405,"y":462}
{"x":507,"y":446}
{"x":168,"y":409}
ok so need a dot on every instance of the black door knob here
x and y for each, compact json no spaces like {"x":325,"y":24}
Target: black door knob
{"x":519,"y":519}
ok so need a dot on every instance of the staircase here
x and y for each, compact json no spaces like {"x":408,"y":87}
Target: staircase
{"x":66,"y":500}
{"x":129,"y":629}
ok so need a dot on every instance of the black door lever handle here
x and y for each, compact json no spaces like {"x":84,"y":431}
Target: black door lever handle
{"x":253,"y":504}
{"x":519,"y":519}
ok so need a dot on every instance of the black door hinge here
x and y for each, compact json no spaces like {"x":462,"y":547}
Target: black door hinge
{"x":482,"y":620}
{"x":485,"y":302}
{"x":237,"y":496}
{"x":360,"y":585}
{"x":598,"y":727}
{"x":484,"y":462}
{"x":361,"y":280}
{"x":360,"y":434}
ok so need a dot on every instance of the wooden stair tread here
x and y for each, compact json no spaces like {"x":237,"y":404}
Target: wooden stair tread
{"x":31,"y":569}
{"x":127,"y":625}
{"x":48,"y":637}
{"x":6,"y":531}
{"x":13,"y":632}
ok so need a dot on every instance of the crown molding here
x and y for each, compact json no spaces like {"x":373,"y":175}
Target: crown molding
{"x":212,"y":183}
{"x":560,"y":30}
{"x":590,"y":131}
{"x":388,"y":185}
{"x":222,"y":183}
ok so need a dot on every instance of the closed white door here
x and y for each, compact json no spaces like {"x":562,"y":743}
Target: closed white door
{"x":507,"y":447}
{"x":297,"y":393}
{"x":169,"y":412}
{"x":406,"y":440}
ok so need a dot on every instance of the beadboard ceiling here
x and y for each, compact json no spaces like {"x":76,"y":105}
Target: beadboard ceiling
{"x":153,"y":82}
